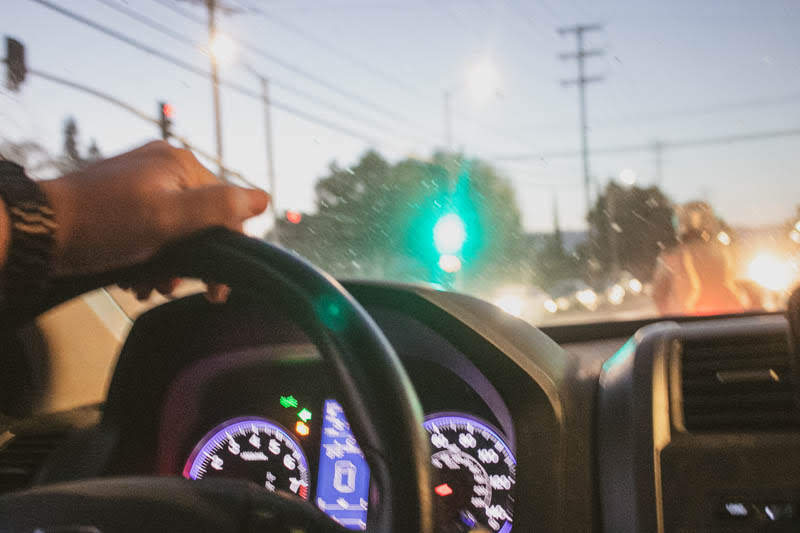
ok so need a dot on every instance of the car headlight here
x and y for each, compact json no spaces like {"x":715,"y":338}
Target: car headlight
{"x":550,"y":305}
{"x":615,"y":294}
{"x":635,"y":286}
{"x":588,"y":298}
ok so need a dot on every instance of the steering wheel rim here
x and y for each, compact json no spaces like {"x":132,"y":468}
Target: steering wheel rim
{"x":381,"y":404}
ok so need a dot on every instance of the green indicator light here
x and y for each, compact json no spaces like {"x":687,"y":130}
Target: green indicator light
{"x":288,"y":401}
{"x":304,"y":415}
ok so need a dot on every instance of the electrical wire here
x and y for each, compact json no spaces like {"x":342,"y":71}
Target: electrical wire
{"x":308,"y":117}
{"x":155,"y":25}
{"x":329,"y":46}
{"x":247,"y":45}
{"x":144,"y":116}
{"x":688,"y":143}
{"x":366,"y":67}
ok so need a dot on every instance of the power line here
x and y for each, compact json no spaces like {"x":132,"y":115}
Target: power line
{"x":147,"y":21}
{"x":142,"y":115}
{"x":288,"y":66}
{"x":202,"y":73}
{"x":707,"y":109}
{"x":663,"y":145}
{"x":309,"y":117}
{"x":363,"y":65}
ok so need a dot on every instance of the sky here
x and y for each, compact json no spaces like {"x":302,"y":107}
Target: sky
{"x":378,"y":70}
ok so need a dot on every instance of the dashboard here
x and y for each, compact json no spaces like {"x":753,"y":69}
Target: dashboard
{"x":237,"y":391}
{"x":271,"y":417}
{"x":683,"y":425}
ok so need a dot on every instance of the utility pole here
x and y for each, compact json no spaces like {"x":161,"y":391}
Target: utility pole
{"x":270,"y":156}
{"x":581,"y":81}
{"x":556,"y":220}
{"x":211,"y":6}
{"x":448,"y":121}
{"x":658,"y":160}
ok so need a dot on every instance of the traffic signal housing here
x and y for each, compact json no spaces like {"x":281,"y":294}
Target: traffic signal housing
{"x":165,"y":114}
{"x":16,"y":69}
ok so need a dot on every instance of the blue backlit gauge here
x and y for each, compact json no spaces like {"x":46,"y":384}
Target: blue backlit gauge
{"x":251,"y":448}
{"x":474,"y":473}
{"x":343,"y":479}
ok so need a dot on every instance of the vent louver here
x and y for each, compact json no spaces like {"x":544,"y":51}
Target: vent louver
{"x":738,"y":384}
{"x":21,"y":457}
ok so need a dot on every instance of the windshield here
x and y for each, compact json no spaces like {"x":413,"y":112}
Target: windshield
{"x":568,"y":161}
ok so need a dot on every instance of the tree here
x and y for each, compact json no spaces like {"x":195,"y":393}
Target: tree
{"x":93,"y":154}
{"x":25,"y":153}
{"x":41,"y":164}
{"x":71,"y":141}
{"x":637,"y":222}
{"x":375,"y":219}
{"x":72,"y":159}
{"x":550,"y":262}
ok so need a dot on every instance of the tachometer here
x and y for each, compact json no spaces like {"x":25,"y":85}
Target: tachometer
{"x":474,"y":474}
{"x":251,"y":448}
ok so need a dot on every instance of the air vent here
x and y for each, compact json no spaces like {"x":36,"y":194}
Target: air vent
{"x":22,"y":456}
{"x":739,"y":384}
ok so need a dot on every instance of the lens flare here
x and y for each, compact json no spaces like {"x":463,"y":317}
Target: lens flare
{"x":449,"y":234}
{"x":510,"y":303}
{"x":770,"y":272}
{"x":483,"y":81}
{"x":450,"y":263}
{"x":222,"y":48}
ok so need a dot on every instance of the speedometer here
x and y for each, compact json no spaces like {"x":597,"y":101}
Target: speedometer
{"x":474,"y":474}
{"x":251,"y":448}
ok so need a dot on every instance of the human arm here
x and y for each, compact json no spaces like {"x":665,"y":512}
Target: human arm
{"x":120,"y":211}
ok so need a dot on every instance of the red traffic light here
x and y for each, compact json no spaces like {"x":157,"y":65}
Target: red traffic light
{"x":293,"y":216}
{"x":167,"y":110}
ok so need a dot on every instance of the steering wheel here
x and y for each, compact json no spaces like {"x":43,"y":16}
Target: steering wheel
{"x":380,"y":400}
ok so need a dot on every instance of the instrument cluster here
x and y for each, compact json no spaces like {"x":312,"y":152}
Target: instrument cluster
{"x":318,"y":457}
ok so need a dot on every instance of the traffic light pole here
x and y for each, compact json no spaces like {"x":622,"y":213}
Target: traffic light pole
{"x":211,"y":5}
{"x":270,"y":156}
{"x":131,"y":109}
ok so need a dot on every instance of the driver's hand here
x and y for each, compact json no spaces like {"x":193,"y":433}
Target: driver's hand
{"x":118,"y":212}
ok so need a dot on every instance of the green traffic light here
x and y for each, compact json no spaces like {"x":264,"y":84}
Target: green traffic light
{"x":449,"y":234}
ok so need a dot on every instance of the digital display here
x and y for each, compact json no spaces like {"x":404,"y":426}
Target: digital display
{"x":343,"y":478}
